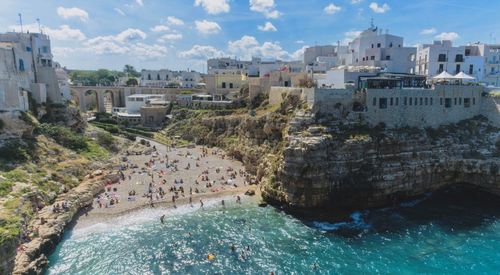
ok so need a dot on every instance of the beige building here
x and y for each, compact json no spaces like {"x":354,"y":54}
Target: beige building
{"x":225,"y":85}
{"x":258,"y":85}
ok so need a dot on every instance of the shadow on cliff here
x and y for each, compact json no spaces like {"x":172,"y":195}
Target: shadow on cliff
{"x":455,"y":209}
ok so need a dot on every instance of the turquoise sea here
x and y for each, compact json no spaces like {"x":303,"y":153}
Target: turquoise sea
{"x":449,"y":232}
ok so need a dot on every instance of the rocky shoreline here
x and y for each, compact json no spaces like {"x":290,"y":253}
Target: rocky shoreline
{"x":33,"y":258}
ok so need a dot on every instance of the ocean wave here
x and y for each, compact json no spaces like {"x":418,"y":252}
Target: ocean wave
{"x":357,"y":222}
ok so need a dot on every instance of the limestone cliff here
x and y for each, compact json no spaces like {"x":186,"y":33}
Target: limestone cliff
{"x":330,"y":165}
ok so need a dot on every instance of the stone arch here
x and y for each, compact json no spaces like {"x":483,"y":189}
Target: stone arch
{"x":110,"y":100}
{"x":91,"y":101}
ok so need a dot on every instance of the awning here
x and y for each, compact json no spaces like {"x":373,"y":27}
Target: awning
{"x":463,"y":76}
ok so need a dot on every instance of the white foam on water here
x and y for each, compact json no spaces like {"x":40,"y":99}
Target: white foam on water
{"x":357,"y":222}
{"x":147,"y":215}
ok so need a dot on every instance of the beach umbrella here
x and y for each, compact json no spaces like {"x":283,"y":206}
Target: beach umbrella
{"x":463,"y":76}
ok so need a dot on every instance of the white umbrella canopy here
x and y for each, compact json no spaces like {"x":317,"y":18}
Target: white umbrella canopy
{"x":463,"y":76}
{"x":444,"y":75}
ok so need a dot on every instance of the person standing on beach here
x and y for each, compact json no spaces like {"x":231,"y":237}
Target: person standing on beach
{"x":201,"y":203}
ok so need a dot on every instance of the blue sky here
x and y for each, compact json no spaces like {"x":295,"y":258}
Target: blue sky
{"x":181,"y":34}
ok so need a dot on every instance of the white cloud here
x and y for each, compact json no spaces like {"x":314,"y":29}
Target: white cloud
{"x":248,"y":46}
{"x":447,"y":36}
{"x":331,"y":9}
{"x":72,"y":12}
{"x":266,"y":7}
{"x":300,"y":42}
{"x":201,"y":52}
{"x":207,"y":27}
{"x":160,"y":28}
{"x":139,"y":2}
{"x":65,"y":32}
{"x":299,"y":54}
{"x":172,"y":20}
{"x":268,"y":27}
{"x":213,"y":6}
{"x":429,"y":31}
{"x":170,"y":37}
{"x":119,"y":11}
{"x":130,"y":35}
{"x":147,"y":52}
{"x":379,"y":9}
{"x":356,"y":1}
{"x":127,"y":42}
{"x":59,"y":52}
{"x":349,"y":36}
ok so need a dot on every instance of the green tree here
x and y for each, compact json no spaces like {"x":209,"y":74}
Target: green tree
{"x":130,"y":70}
{"x":132,"y":81}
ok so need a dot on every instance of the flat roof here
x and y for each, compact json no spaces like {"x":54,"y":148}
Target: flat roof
{"x":128,"y":115}
{"x":144,"y":95}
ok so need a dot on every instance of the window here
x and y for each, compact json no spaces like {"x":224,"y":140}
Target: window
{"x":442,"y":57}
{"x":374,"y":101}
{"x":158,"y":77}
{"x":391,"y":101}
{"x":286,"y":84}
{"x":383,"y":103}
{"x":230,"y":85}
{"x":471,"y":69}
{"x":390,"y":45}
{"x":405,"y":101}
{"x":467,"y":52}
{"x":223,"y":85}
{"x":421,"y":101}
{"x":149,"y":76}
{"x":397,"y":101}
{"x":378,"y":45}
{"x":441,"y":68}
{"x":372,"y":46}
{"x":372,"y":57}
{"x":457,"y":70}
{"x":459,"y":101}
{"x":411,"y":100}
{"x":431,"y":100}
{"x":441,"y":101}
{"x":459,"y":58}
{"x":388,"y":57}
{"x":21,"y":65}
{"x":466,"y":102}
{"x":473,"y":101}
{"x":426,"y":101}
{"x":447,"y":102}
{"x":455,"y":101}
{"x":28,"y":49}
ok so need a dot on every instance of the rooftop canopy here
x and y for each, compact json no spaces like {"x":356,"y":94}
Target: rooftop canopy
{"x":463,"y":76}
{"x":444,"y":75}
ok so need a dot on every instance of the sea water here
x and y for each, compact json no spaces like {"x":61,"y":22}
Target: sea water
{"x":449,"y":232}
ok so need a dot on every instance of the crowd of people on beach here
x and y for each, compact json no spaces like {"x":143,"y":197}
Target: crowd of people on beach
{"x":162,"y":181}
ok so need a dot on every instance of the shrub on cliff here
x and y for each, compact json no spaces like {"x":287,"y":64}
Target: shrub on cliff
{"x":63,"y":136}
{"x":16,"y":150}
{"x":106,"y":140}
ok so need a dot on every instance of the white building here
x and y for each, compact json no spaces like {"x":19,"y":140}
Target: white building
{"x":377,"y":49}
{"x":27,"y":67}
{"x":225,"y":63}
{"x":492,"y":65}
{"x":171,"y":79}
{"x":432,"y":59}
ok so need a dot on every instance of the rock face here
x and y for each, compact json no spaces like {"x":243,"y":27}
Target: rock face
{"x":330,"y":165}
{"x":34,"y":258}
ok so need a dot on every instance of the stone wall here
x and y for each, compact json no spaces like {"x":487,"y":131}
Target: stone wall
{"x":423,"y":107}
{"x":278,"y":94}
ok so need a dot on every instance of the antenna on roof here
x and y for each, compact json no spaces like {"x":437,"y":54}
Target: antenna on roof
{"x":21,"y":21}
{"x":371,"y":23}
{"x":39,"y":26}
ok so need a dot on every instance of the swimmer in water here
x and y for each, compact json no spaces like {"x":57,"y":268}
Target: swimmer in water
{"x":233,"y":248}
{"x":162,"y":219}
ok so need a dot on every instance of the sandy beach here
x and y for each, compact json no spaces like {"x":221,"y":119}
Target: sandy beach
{"x":203,"y":173}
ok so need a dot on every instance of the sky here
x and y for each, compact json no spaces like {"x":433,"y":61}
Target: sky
{"x":182,"y":34}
